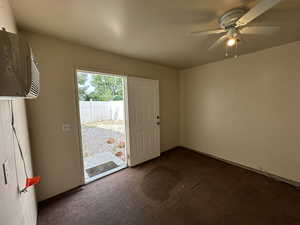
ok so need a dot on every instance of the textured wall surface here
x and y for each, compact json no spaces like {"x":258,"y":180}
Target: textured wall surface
{"x":57,"y":154}
{"x":246,"y":110}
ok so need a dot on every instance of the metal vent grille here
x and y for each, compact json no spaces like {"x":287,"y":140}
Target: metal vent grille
{"x":34,"y":90}
{"x":35,"y":84}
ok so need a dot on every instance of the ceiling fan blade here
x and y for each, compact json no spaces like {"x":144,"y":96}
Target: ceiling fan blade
{"x":256,"y":11}
{"x":259,"y":30}
{"x":208,"y":32}
{"x":218,"y":42}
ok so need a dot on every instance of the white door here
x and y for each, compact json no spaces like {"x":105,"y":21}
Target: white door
{"x":144,"y":119}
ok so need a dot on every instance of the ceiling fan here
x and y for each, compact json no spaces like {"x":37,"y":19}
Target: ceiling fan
{"x":234,"y":23}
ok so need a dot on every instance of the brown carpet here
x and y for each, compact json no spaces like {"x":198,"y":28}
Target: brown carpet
{"x":179,"y":188}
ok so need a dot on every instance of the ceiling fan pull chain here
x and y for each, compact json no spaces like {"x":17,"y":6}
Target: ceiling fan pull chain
{"x":226,"y":51}
{"x":236,"y":50}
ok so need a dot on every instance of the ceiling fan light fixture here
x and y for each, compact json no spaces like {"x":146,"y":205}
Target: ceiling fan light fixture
{"x":231,"y":42}
{"x":234,"y":23}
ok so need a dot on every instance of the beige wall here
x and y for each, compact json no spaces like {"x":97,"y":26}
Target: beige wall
{"x":246,"y":110}
{"x":57,"y":154}
{"x":15,"y":209}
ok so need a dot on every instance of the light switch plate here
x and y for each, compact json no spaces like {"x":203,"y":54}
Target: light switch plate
{"x":66,"y":127}
{"x":5,"y":172}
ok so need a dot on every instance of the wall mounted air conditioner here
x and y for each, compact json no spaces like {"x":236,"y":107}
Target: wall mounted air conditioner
{"x":19,"y":76}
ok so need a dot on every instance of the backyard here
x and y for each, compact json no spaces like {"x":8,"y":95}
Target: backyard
{"x":101,"y":108}
{"x":104,"y":136}
{"x":103,"y":145}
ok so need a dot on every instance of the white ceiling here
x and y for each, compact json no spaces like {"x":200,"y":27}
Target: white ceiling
{"x":152,"y":30}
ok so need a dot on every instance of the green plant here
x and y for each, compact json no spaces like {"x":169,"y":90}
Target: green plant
{"x":104,"y":88}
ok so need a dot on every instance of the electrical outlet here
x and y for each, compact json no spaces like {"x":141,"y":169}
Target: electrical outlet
{"x":5,"y":172}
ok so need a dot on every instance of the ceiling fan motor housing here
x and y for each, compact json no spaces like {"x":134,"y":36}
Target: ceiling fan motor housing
{"x":228,"y":20}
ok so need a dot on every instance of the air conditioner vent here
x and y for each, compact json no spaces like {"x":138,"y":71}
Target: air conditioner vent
{"x":19,"y":76}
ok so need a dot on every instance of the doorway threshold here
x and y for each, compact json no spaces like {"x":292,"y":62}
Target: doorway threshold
{"x":101,"y":165}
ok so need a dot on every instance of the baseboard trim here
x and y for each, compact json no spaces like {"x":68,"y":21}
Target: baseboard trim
{"x":80,"y":187}
{"x":275,"y":177}
{"x":169,"y":149}
{"x":264,"y":173}
{"x":60,"y":195}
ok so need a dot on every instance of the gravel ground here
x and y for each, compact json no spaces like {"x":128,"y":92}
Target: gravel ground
{"x":105,"y":136}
